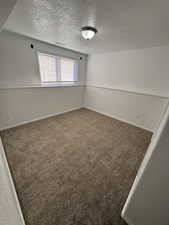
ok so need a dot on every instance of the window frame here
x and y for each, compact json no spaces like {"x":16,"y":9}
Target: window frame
{"x":58,"y":81}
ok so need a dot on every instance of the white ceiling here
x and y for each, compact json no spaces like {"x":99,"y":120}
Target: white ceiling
{"x":5,"y":8}
{"x":121,"y":24}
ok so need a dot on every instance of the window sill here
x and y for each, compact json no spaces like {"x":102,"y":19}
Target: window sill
{"x":41,"y":85}
{"x":61,"y":84}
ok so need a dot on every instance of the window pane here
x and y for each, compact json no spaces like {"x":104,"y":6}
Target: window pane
{"x":55,"y":68}
{"x":67,"y":69}
{"x":48,"y":68}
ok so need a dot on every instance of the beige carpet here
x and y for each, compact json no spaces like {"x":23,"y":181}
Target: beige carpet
{"x":74,"y":169}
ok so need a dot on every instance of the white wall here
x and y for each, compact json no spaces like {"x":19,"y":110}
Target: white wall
{"x":19,"y":64}
{"x":144,"y":70}
{"x":148,"y":201}
{"x":130,"y":85}
{"x":23,"y":105}
{"x":133,"y":86}
{"x":10,"y":212}
{"x":141,"y":110}
{"x":18,"y":69}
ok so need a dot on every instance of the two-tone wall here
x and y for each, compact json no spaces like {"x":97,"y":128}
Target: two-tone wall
{"x":22,"y":97}
{"x":133,"y":86}
{"x":130,"y":85}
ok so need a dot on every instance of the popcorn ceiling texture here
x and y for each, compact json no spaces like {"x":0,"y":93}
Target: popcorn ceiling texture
{"x":74,"y":169}
{"x":122,"y":25}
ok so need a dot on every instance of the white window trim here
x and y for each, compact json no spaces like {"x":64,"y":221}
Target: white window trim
{"x":58,"y":83}
{"x":41,"y":85}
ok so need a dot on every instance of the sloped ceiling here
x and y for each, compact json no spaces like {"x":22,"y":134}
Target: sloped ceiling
{"x":5,"y":8}
{"x":121,"y":24}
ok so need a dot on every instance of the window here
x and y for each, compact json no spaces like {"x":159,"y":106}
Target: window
{"x":57,"y":68}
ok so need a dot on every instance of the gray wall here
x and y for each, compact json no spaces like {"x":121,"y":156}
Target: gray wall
{"x":5,"y":10}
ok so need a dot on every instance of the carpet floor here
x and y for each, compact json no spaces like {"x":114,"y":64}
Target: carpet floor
{"x":74,"y":169}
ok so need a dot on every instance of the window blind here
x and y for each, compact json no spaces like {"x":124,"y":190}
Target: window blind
{"x":57,"y":69}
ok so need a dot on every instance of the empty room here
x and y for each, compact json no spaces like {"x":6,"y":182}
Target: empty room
{"x":84,"y":112}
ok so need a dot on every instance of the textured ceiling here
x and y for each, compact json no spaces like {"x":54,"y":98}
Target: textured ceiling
{"x":121,"y":24}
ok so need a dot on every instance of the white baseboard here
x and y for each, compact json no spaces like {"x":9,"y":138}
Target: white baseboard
{"x":58,"y":113}
{"x":118,"y":118}
{"x":127,"y":220}
{"x":38,"y":118}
